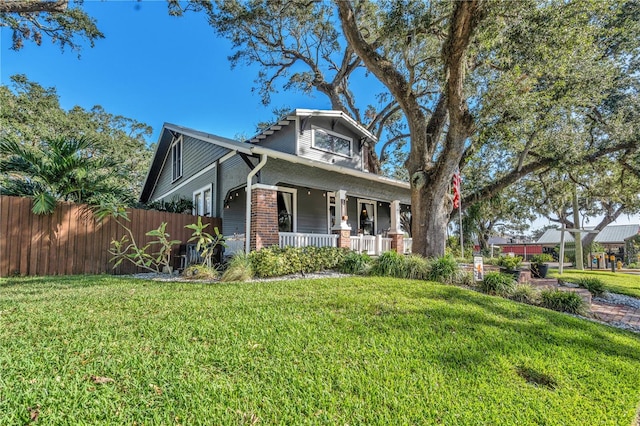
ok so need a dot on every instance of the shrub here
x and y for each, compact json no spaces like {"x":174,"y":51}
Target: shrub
{"x":389,"y":264}
{"x":497,"y":283}
{"x":540,"y":259}
{"x":355,"y":263}
{"x":200,"y":272}
{"x":238,"y":269}
{"x":510,"y":263}
{"x":563,"y":301}
{"x":416,"y":267}
{"x":275,"y":261}
{"x":524,"y":293}
{"x":461,"y":277}
{"x":594,"y":285}
{"x":443,"y":269}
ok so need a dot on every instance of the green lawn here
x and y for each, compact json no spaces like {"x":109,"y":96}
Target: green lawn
{"x":333,"y":351}
{"x":615,"y":282}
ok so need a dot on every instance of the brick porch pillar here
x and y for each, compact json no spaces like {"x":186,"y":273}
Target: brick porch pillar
{"x":344,"y":237}
{"x":264,"y":217}
{"x":395,"y":233}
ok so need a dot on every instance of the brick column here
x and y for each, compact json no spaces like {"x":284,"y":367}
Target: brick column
{"x":264,"y":218}
{"x":344,"y":237}
{"x":397,"y":242}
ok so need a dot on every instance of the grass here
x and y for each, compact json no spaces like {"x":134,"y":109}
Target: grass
{"x":107,"y":350}
{"x":615,"y":282}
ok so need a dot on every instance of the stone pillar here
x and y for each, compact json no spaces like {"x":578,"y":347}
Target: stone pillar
{"x":395,"y":233}
{"x":342,"y":228}
{"x":264,"y":218}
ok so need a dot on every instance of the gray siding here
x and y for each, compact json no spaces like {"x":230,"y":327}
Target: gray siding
{"x":196,"y":155}
{"x":283,"y":140}
{"x":278,"y":171}
{"x":233,"y":218}
{"x":306,"y":150}
{"x":312,"y":212}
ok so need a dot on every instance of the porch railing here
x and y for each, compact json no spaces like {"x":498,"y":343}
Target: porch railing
{"x":296,"y":239}
{"x":370,"y":244}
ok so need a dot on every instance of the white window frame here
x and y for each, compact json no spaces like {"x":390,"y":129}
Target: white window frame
{"x":294,"y":200}
{"x":176,"y":173}
{"x":201,"y":192}
{"x":362,"y":201}
{"x":341,"y":136}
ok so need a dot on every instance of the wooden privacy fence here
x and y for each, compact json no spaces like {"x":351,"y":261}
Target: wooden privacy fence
{"x":71,"y":242}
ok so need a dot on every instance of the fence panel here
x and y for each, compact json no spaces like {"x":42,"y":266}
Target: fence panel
{"x":69,"y":241}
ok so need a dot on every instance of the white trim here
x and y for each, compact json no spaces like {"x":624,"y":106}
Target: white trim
{"x":332,"y":133}
{"x":362,"y":201}
{"x":297,"y":138}
{"x":328,"y":195}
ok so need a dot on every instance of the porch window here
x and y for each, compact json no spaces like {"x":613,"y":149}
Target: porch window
{"x":335,"y":143}
{"x":176,"y":159}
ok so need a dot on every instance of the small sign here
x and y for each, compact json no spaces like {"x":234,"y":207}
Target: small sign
{"x":478,"y":269}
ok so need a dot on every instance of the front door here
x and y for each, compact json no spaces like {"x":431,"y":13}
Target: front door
{"x":367,"y":217}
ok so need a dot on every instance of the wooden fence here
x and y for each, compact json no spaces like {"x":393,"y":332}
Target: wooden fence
{"x":70,"y":241}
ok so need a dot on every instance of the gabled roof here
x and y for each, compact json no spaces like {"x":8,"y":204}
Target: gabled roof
{"x":285,"y":121}
{"x":612,"y":234}
{"x":170,"y":130}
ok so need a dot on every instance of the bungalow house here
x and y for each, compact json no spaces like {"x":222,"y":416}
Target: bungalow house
{"x":302,"y":181}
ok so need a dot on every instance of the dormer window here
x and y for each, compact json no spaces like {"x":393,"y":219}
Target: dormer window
{"x":176,"y":159}
{"x":335,"y":143}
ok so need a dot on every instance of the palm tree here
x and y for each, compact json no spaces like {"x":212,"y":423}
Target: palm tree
{"x":60,"y":169}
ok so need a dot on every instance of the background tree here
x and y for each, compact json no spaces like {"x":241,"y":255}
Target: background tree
{"x":63,"y":21}
{"x":31,"y":114}
{"x":59,"y":169}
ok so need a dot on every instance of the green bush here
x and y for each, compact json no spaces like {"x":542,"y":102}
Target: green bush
{"x":563,"y":301}
{"x":497,"y":283}
{"x":461,"y":277}
{"x":416,"y":267}
{"x":524,"y":293}
{"x":389,"y":264}
{"x":238,"y":269}
{"x":443,"y":269}
{"x":594,"y":285}
{"x":276,"y":262}
{"x":510,"y":263}
{"x":355,"y":263}
{"x":541,"y":258}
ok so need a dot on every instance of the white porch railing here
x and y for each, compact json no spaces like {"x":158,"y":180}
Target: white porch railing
{"x":408,"y":245}
{"x":296,"y":239}
{"x":370,"y":244}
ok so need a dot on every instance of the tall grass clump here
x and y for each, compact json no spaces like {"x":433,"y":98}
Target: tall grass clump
{"x":389,"y":264}
{"x":355,"y":263}
{"x":594,"y":285}
{"x":416,"y":267}
{"x":563,"y":301}
{"x":238,"y":269}
{"x":443,"y":269}
{"x":524,"y":293}
{"x":200,"y":272}
{"x":497,"y":283}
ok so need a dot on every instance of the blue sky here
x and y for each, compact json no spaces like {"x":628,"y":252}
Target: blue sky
{"x":153,"y":68}
{"x":156,"y":68}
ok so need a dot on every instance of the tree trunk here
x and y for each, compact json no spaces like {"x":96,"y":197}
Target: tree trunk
{"x":430,"y":210}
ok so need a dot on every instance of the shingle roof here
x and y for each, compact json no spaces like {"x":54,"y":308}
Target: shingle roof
{"x":612,"y":234}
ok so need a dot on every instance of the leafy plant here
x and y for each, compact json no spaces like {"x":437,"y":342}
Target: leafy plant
{"x":275,"y":261}
{"x":239,"y":268}
{"x":355,"y":263}
{"x":510,"y":263}
{"x":389,"y":264}
{"x":524,"y":293}
{"x":563,"y":301}
{"x":541,"y":259}
{"x":443,"y":269}
{"x":497,"y":283}
{"x":416,"y":267}
{"x":206,"y":243}
{"x":594,"y":285}
{"x":127,"y":248}
{"x":177,"y":204}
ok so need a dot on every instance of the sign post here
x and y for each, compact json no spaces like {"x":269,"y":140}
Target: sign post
{"x":478,"y":268}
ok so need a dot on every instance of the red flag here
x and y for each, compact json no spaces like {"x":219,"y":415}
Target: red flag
{"x":456,"y":189}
